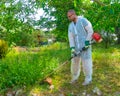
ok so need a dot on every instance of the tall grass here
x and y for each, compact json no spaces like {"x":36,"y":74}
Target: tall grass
{"x":26,"y":68}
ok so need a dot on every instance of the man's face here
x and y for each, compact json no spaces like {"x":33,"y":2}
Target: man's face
{"x":71,"y":16}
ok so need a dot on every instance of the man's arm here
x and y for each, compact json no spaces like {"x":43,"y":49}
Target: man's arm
{"x":72,"y":43}
{"x":89,"y":30}
{"x":88,"y":27}
{"x":71,"y":38}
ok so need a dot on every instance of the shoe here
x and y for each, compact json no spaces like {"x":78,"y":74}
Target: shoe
{"x":86,"y":83}
{"x":73,"y":81}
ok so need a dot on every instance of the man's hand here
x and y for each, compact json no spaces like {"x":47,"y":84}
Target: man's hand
{"x":72,"y":51}
{"x":87,"y":44}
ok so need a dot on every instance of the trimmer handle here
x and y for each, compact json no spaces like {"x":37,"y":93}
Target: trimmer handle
{"x":77,"y":53}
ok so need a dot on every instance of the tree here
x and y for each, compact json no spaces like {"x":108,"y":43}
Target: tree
{"x":15,"y":19}
{"x":105,"y":16}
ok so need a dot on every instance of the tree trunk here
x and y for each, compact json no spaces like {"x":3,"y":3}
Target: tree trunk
{"x":117,"y":31}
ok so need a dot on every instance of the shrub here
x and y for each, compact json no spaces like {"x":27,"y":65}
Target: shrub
{"x":3,"y":48}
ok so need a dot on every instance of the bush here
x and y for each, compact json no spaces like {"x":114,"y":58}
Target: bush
{"x":3,"y":48}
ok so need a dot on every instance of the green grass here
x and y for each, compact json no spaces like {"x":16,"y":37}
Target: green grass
{"x":107,"y":70}
{"x":29,"y":68}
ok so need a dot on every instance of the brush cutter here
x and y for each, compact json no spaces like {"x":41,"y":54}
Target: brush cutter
{"x":95,"y":38}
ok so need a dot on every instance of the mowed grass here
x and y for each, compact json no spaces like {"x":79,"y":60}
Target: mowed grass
{"x":29,"y":68}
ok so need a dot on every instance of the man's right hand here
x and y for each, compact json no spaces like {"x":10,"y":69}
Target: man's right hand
{"x":72,"y":51}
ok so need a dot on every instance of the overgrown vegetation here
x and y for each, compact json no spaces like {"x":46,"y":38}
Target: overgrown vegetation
{"x":105,"y":77}
{"x":3,"y":48}
{"x":18,"y":21}
{"x":27,"y":69}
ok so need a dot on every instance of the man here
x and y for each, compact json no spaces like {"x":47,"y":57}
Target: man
{"x":80,"y":34}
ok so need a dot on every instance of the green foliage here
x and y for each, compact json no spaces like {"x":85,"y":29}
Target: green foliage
{"x":22,"y":36}
{"x":57,"y":11}
{"x":17,"y":18}
{"x":102,"y":14}
{"x":24,"y":69}
{"x":104,"y":17}
{"x":15,"y":23}
{"x":3,"y":48}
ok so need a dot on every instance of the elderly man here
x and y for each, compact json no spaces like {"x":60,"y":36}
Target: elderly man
{"x":80,"y":34}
